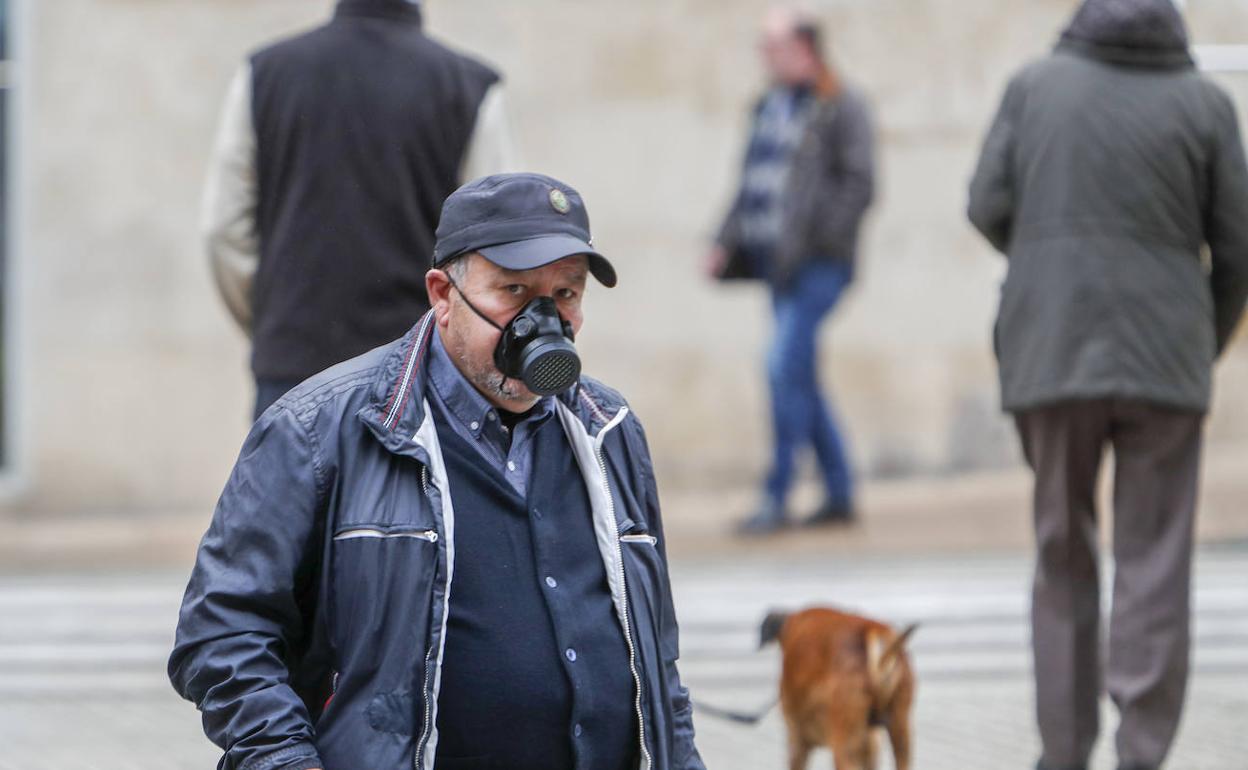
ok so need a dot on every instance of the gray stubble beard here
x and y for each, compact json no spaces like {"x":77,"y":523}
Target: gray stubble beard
{"x":487,"y":378}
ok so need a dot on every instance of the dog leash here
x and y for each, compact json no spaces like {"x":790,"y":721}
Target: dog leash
{"x":735,"y":716}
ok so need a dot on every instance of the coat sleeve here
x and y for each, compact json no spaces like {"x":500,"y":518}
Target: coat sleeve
{"x":246,"y":608}
{"x":729,"y":234}
{"x":992,"y":195}
{"x":840,"y":205}
{"x":1226,"y":225}
{"x":685,"y":754}
{"x":231,"y":194}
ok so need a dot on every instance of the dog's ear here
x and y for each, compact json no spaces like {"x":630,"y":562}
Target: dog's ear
{"x":769,"y":631}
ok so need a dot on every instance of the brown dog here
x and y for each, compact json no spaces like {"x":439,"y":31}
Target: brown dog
{"x":843,"y":676}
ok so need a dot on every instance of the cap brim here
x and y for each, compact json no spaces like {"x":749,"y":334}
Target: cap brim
{"x":535,"y":252}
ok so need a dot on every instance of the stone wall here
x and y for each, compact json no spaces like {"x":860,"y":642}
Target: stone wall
{"x":134,"y":390}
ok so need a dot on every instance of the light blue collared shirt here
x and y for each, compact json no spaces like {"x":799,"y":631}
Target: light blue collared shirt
{"x":461,"y":406}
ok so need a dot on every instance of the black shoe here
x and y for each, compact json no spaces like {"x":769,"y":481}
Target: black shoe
{"x":831,"y":514}
{"x":766,"y":520}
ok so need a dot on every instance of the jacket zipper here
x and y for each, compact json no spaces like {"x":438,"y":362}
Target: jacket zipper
{"x":628,"y":630}
{"x":639,"y":538}
{"x":418,"y":759}
{"x":366,"y":532}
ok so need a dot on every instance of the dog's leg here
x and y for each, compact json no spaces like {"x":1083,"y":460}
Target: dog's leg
{"x":899,"y":721}
{"x":899,"y":737}
{"x":799,"y":749}
{"x":846,"y":743}
{"x":870,"y":750}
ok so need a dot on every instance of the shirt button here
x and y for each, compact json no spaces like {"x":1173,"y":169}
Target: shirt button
{"x":510,"y":465}
{"x":577,"y":730}
{"x":491,"y":416}
{"x":537,"y":514}
{"x":570,"y":654}
{"x":475,"y":425}
{"x":550,"y":581}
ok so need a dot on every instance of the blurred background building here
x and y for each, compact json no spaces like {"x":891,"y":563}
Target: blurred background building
{"x":125,"y":385}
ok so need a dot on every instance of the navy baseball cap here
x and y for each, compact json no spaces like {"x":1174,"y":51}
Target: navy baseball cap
{"x":518,"y":222}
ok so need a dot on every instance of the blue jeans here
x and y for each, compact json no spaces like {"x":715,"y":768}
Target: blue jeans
{"x":800,"y":415}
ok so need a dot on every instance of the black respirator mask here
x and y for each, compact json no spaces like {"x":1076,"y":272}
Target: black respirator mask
{"x":536,"y":347}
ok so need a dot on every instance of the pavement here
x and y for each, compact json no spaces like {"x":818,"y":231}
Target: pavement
{"x":963,"y":513}
{"x":88,"y":603}
{"x":82,"y":657}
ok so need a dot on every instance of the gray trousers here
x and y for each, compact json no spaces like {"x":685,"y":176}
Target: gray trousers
{"x":1156,"y":457}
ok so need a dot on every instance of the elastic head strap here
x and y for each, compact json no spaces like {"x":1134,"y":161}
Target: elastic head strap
{"x":468,"y":302}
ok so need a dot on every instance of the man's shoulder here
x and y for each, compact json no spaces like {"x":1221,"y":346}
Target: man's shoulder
{"x":345,"y":387}
{"x":1054,"y":64}
{"x":292,"y":44}
{"x":851,"y":102}
{"x":473,"y":65}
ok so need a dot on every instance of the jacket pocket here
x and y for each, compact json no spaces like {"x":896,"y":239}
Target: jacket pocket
{"x":381,"y":587}
{"x":393,"y":712}
{"x":381,"y":533}
{"x":640,"y":538}
{"x":647,"y":579}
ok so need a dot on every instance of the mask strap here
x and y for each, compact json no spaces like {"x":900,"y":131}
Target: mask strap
{"x":474,"y":309}
{"x":471,"y":306}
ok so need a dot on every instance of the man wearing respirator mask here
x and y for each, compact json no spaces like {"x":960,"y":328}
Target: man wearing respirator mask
{"x":448,"y":551}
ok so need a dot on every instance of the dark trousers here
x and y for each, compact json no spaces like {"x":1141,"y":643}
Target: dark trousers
{"x":1156,"y":467}
{"x":268,"y":391}
{"x":800,"y":416}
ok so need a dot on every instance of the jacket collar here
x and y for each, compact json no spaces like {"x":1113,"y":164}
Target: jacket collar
{"x":394,"y":10}
{"x":1130,"y":57}
{"x":396,"y":406}
{"x":1139,"y":33}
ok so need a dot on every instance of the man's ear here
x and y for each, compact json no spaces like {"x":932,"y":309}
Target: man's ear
{"x":438,"y":287}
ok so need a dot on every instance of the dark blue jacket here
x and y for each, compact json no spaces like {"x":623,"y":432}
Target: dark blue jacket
{"x":330,"y":561}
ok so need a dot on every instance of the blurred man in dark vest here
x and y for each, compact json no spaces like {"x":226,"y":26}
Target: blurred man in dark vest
{"x":335,"y":152}
{"x":1111,"y":164}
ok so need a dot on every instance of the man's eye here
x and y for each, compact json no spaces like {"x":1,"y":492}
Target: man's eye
{"x":514,"y":289}
{"x":566,"y":294}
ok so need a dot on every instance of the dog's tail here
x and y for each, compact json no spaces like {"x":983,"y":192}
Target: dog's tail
{"x":744,"y":717}
{"x":884,"y":652}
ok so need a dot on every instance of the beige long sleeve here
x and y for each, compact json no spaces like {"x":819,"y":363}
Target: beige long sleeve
{"x":228,"y":216}
{"x":491,"y":149}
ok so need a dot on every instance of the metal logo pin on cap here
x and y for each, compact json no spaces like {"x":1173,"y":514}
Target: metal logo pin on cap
{"x":559,"y":201}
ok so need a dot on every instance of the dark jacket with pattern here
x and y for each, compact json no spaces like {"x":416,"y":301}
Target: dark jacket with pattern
{"x":829,"y":188}
{"x":330,"y":559}
{"x":1111,"y":164}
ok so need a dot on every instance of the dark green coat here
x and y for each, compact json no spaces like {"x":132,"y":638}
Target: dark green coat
{"x":1111,"y":165}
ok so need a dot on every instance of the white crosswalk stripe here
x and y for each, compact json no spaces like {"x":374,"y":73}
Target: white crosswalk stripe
{"x":75,"y":648}
{"x":68,"y":634}
{"x":973,"y":614}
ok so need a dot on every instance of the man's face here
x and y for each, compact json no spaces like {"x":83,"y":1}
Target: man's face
{"x":499,"y":294}
{"x":788,"y":59}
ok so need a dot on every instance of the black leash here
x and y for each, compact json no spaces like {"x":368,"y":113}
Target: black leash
{"x":735,"y":716}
